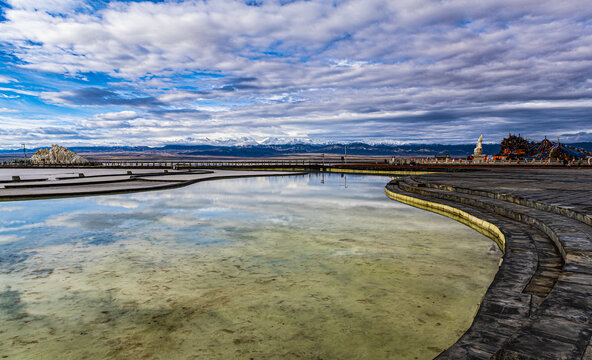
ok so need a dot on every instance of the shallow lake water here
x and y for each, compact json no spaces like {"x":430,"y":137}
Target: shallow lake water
{"x":298,"y":267}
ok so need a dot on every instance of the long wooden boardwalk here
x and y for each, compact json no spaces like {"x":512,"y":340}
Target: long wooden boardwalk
{"x":540,"y":304}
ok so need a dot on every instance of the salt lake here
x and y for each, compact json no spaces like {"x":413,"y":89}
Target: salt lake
{"x":292,"y":267}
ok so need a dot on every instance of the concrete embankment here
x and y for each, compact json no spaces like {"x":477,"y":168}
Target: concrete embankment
{"x":539,"y":305}
{"x":50,"y":183}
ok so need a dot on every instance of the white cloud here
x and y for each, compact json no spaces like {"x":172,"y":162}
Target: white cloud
{"x":139,"y":38}
{"x":7,"y":110}
{"x":20,"y":91}
{"x":44,"y":5}
{"x":6,"y":79}
{"x":118,"y":202}
{"x":117,"y":116}
{"x":178,"y":96}
{"x":549,"y":104}
{"x":11,"y":208}
{"x":5,"y":239}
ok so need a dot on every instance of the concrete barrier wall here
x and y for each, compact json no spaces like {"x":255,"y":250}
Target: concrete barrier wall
{"x":484,"y":227}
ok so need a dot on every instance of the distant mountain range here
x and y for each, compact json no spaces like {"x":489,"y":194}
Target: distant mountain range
{"x":265,"y":150}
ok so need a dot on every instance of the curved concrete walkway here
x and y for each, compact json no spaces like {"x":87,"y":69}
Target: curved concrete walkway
{"x":539,"y":305}
{"x":51,"y":183}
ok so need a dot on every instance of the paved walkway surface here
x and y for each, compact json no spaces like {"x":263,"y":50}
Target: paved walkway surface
{"x":539,"y":305}
{"x":46,"y":183}
{"x":566,"y":188}
{"x":6,"y":174}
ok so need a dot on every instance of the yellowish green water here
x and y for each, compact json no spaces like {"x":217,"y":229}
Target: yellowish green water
{"x":259,"y":268}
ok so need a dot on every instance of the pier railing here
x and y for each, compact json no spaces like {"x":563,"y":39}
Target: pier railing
{"x":267,"y":163}
{"x":217,"y":163}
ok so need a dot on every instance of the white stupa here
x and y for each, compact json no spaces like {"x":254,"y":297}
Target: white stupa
{"x":479,"y":148}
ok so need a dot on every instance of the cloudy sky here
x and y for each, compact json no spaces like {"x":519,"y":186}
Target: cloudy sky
{"x":159,"y":72}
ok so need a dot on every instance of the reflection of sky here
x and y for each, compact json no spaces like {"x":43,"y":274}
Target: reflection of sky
{"x":201,"y":214}
{"x":296,"y":263}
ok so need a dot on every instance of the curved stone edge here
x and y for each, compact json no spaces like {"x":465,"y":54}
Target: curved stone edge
{"x":504,"y":307}
{"x":561,"y":328}
{"x":484,"y":227}
{"x":500,"y":210}
{"x":574,"y":247}
{"x":515,"y":199}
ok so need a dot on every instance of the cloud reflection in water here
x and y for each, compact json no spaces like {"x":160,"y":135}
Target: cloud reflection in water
{"x":262,"y":267}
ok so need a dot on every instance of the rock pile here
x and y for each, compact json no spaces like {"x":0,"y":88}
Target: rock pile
{"x":57,"y":155}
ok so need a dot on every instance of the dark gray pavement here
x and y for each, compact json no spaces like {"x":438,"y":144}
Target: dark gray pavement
{"x":540,"y":304}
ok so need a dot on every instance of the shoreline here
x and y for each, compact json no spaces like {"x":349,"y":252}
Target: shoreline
{"x":544,"y":282}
